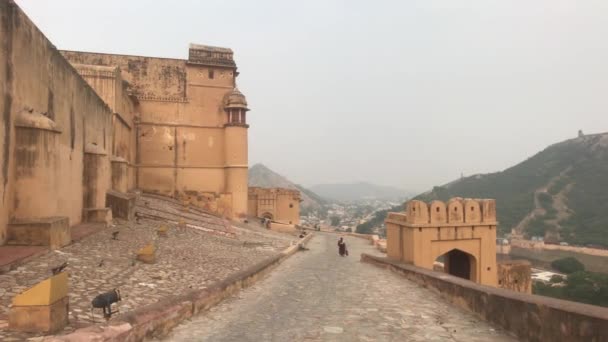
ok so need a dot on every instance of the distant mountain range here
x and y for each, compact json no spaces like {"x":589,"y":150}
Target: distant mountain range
{"x":262,"y":176}
{"x":560,"y":193}
{"x":358,"y":191}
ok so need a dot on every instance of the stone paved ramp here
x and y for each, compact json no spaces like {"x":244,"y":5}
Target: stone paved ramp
{"x":317,"y":295}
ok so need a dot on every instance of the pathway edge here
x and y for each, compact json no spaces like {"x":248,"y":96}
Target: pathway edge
{"x":158,"y":319}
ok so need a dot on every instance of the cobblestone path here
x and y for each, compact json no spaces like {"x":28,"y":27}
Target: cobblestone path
{"x":317,"y":295}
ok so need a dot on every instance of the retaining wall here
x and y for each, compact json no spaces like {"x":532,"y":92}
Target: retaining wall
{"x":529,"y":317}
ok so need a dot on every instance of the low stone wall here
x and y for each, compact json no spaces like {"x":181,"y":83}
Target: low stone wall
{"x":541,"y":245}
{"x":158,"y":319}
{"x":529,"y":317}
{"x":282,"y":227}
{"x":370,"y":237}
{"x":544,"y":257}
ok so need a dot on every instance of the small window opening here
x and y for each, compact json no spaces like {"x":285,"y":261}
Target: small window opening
{"x":211,"y":74}
{"x":437,"y":209}
{"x":291,"y":205}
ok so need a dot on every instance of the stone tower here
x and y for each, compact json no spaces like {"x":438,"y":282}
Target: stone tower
{"x":236,"y":151}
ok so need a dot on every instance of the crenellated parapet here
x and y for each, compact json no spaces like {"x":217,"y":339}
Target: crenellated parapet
{"x":256,"y":191}
{"x":456,"y":211}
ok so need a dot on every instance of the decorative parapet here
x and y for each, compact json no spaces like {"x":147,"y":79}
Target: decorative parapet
{"x":211,"y":56}
{"x":99,"y":71}
{"x":156,"y":98}
{"x":457,"y":211}
{"x":400,"y":217}
{"x":254,"y":191}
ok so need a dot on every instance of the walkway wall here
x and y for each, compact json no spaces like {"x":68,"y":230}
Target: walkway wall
{"x":49,"y":114}
{"x":529,"y":317}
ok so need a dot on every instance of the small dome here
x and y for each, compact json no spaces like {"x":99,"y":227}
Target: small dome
{"x":236,"y":99}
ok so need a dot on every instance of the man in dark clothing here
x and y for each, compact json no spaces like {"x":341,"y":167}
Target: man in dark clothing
{"x":342,"y":247}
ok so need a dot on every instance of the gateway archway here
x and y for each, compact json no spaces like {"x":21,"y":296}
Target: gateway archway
{"x":460,"y":264}
{"x":461,"y":232}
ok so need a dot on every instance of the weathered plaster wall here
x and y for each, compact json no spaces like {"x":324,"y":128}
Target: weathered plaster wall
{"x":158,"y":78}
{"x":288,"y":206}
{"x":57,"y":113}
{"x":109,"y":85}
{"x":6,"y":127}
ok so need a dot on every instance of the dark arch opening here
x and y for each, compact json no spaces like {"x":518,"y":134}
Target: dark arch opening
{"x":459,"y":264}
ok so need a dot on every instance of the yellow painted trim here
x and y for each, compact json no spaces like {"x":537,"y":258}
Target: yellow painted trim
{"x":45,"y":292}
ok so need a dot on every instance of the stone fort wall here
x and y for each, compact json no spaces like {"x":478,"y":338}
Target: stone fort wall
{"x":76,"y":125}
{"x":183,"y":147}
{"x":51,"y":118}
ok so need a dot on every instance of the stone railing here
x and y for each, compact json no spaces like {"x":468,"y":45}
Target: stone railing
{"x":529,"y":317}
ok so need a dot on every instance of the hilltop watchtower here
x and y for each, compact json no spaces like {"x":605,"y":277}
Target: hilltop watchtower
{"x":461,"y":233}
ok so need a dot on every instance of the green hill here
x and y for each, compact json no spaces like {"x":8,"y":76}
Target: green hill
{"x":560,"y":193}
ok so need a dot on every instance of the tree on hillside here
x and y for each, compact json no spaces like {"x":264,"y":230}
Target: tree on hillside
{"x":335,"y":221}
{"x":568,"y":265}
{"x":587,"y":287}
{"x":365,"y":228}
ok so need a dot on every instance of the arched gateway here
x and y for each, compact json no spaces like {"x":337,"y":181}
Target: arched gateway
{"x":461,"y":232}
{"x":460,"y":264}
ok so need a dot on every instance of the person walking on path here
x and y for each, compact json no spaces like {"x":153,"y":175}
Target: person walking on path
{"x":342,"y":247}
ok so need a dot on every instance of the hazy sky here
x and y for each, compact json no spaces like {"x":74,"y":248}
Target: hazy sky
{"x":404,"y":93}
